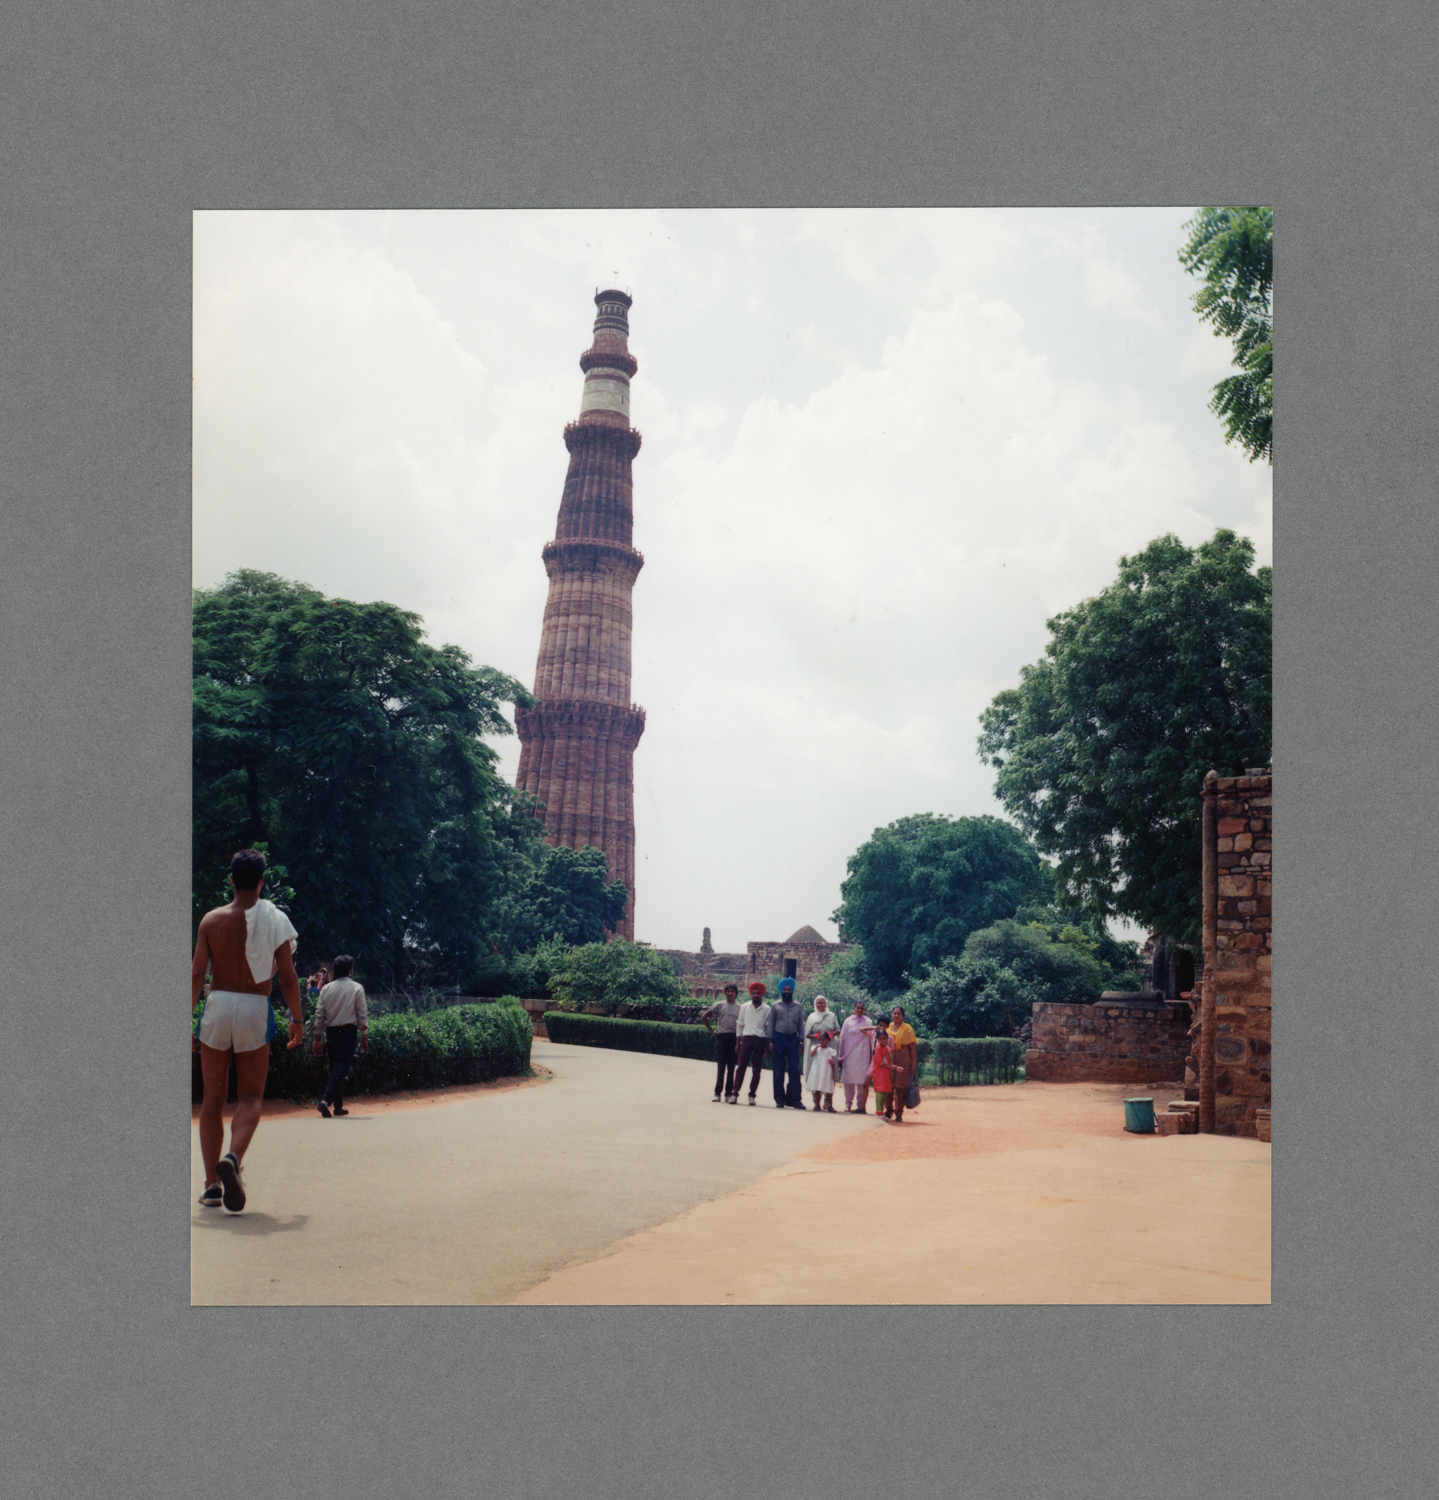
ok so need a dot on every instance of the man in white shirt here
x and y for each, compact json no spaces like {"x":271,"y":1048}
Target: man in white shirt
{"x":753,"y":1029}
{"x":340,"y":1018}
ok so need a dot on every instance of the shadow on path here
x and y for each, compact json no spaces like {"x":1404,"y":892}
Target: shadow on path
{"x":247,"y":1223}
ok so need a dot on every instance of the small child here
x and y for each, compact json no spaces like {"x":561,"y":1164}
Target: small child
{"x":819,"y":1078}
{"x":879,"y":1072}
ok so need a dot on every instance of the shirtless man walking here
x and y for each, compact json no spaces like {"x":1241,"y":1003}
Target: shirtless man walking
{"x":243,"y":945}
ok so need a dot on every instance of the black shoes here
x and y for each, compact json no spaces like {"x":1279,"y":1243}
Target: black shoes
{"x":210,"y":1198}
{"x":323,"y":1108}
{"x":232,"y":1187}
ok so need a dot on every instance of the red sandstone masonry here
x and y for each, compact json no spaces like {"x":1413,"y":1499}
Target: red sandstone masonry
{"x":1108,"y":1043}
{"x":577,"y":747}
{"x":1244,"y":942}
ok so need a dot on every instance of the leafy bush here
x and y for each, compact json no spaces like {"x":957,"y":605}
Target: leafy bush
{"x":630,"y":1036}
{"x":952,"y":1060}
{"x":1068,"y":972}
{"x":966,"y":997}
{"x":526,"y":973}
{"x":618,"y":973}
{"x":461,"y":1044}
{"x":1004,"y":971}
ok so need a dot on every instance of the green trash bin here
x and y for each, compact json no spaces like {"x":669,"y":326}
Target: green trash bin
{"x":1139,"y":1116}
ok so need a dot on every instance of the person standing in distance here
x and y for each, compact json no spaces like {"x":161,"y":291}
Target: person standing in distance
{"x":340,"y":1018}
{"x":786,"y":1031}
{"x":753,"y":1030}
{"x":726,"y":1014}
{"x":243,"y":945}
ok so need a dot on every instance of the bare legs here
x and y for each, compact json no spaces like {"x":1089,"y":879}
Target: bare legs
{"x":250,"y":1070}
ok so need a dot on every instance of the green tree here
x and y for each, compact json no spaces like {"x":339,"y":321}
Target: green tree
{"x":1068,"y":972}
{"x":617,"y":973}
{"x":569,"y":896}
{"x":1102,"y":748}
{"x":1233,"y":250}
{"x":917,"y":889}
{"x":963,"y":996}
{"x":333,"y":732}
{"x":1083,"y":930}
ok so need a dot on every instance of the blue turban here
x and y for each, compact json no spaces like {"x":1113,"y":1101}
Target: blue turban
{"x":786,"y":986}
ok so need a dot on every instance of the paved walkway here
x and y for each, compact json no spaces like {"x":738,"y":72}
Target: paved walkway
{"x":475,"y":1199}
{"x":619,"y":1182}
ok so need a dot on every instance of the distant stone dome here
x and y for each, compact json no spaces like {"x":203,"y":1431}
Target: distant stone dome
{"x":806,"y":934}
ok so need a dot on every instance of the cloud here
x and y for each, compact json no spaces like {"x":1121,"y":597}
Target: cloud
{"x":878,"y":456}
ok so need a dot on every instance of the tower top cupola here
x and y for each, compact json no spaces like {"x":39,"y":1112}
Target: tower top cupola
{"x":608,"y":364}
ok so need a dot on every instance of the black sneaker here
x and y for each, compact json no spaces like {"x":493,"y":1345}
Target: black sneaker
{"x":232,"y":1187}
{"x":210,"y":1198}
{"x":341,"y":1110}
{"x":323,"y":1108}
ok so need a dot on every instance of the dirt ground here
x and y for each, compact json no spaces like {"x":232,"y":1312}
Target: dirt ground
{"x":612,"y":1178}
{"x":1024,"y":1194}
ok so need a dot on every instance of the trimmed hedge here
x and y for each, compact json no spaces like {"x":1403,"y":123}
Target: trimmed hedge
{"x":972,"y":1059}
{"x":665,"y":1037}
{"x":951,"y":1060}
{"x":459,"y":1044}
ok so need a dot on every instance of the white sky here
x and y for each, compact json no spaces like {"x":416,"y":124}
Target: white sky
{"x":881,"y":448}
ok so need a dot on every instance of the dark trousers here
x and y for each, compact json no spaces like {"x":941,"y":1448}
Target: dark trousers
{"x":751,"y":1054}
{"x":724,"y":1072}
{"x":340,"y":1042}
{"x":786,"y":1071}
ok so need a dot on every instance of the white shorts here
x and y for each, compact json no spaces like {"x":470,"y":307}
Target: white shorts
{"x":232,"y":1020}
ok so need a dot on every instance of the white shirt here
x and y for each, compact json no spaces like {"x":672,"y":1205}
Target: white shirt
{"x":754,"y":1019}
{"x":341,"y":1003}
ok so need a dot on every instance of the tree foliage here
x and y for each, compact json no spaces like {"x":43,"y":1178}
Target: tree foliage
{"x":918,"y":888}
{"x":333,"y":732}
{"x":569,"y":896}
{"x":1233,"y":250}
{"x":617,"y":973}
{"x":1118,"y":959}
{"x":1102,"y":748}
{"x":993,"y":986}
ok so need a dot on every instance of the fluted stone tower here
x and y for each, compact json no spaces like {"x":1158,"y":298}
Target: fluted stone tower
{"x":577,"y":747}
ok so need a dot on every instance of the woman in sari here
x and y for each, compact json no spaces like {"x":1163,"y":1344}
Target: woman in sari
{"x":905,"y":1048}
{"x":856,"y":1048}
{"x":820,"y":1020}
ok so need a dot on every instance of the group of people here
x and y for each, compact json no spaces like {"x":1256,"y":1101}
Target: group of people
{"x":243,"y":947}
{"x":816,"y":1053}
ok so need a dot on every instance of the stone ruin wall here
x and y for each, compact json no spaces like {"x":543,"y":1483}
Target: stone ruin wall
{"x":1244,"y":957}
{"x":1100,"y":1043}
{"x":764,"y":959}
{"x":706,"y":974}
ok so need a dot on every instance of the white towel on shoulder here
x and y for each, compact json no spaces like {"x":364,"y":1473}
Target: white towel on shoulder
{"x":266,"y":927}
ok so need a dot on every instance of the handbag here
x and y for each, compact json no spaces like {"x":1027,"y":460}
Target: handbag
{"x":911,"y":1098}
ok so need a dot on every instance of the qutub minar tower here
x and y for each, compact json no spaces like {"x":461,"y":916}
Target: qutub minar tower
{"x":577,"y":747}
